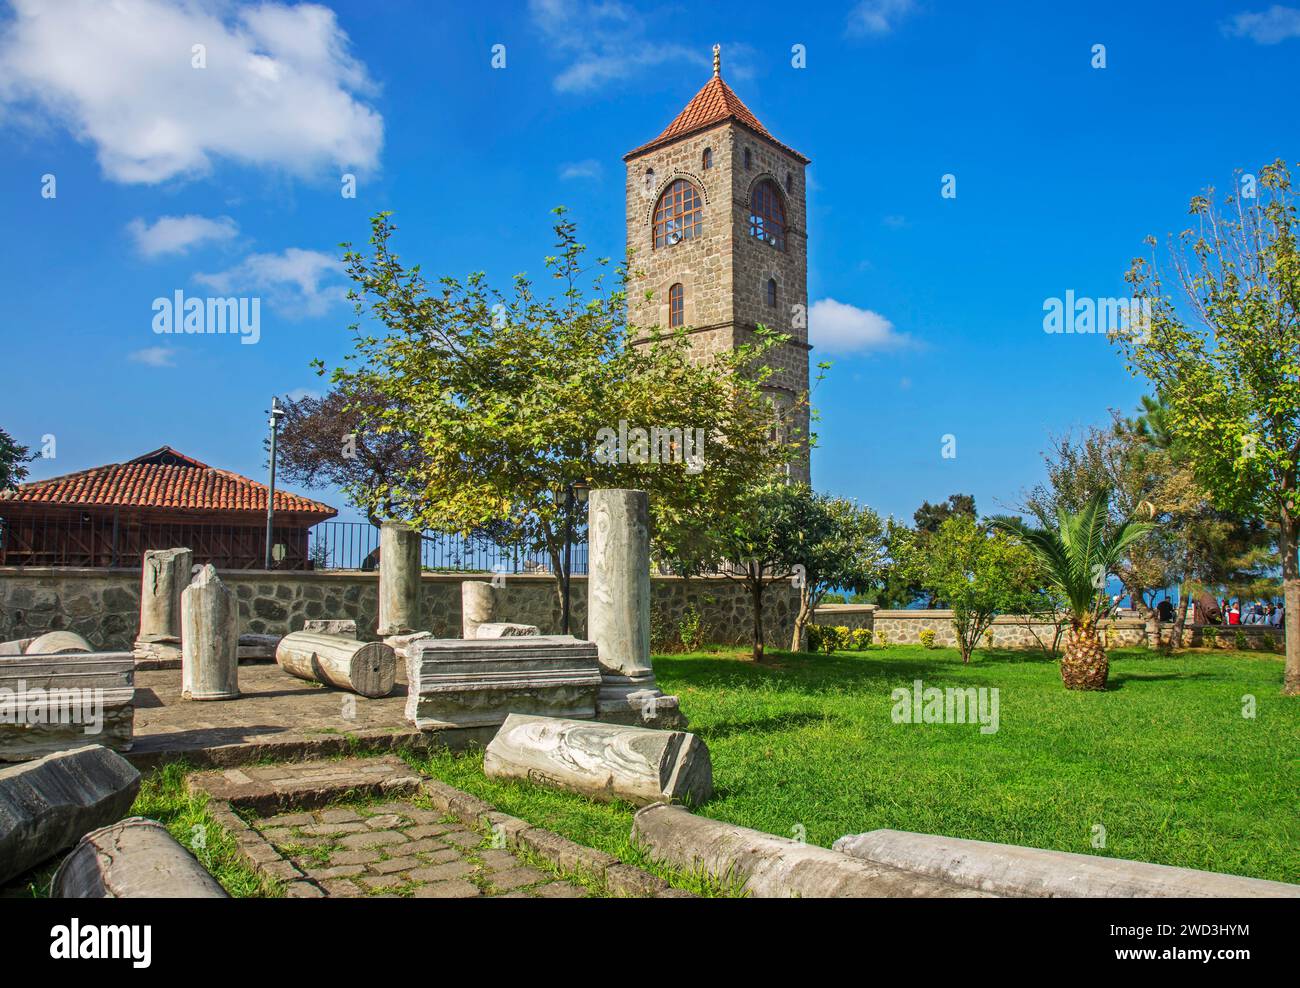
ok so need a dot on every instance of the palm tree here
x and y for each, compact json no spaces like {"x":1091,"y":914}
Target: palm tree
{"x":1076,"y":558}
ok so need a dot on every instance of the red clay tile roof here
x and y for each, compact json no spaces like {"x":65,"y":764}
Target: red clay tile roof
{"x":161,"y":479}
{"x":711,"y":105}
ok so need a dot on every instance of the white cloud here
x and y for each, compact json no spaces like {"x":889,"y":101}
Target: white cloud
{"x":296,"y":281}
{"x":154,"y":356}
{"x":606,"y":41}
{"x":298,"y":394}
{"x":589,"y":168}
{"x":836,"y":327}
{"x":177,"y":234}
{"x":280,"y":88}
{"x":878,"y":16}
{"x":1268,"y":27}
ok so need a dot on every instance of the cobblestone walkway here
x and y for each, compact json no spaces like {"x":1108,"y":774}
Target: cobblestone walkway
{"x":398,"y":849}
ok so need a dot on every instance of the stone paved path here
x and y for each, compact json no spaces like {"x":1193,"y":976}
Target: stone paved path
{"x":397,"y":848}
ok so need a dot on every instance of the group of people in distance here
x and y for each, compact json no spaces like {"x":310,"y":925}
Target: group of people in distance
{"x":1228,"y":611}
{"x":1259,"y":612}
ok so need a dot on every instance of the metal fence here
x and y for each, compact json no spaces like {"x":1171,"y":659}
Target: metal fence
{"x":341,"y":545}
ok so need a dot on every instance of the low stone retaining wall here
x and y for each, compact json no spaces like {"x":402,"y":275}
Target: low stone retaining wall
{"x":904,"y":627}
{"x":103,"y":605}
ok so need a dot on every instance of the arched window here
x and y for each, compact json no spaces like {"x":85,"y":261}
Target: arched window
{"x":676,"y":306}
{"x":679,"y":215}
{"x":771,"y":292}
{"x":747,"y":158}
{"x":767,"y":215}
{"x":708,"y":157}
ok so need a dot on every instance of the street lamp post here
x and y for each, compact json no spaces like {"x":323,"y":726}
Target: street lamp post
{"x":578,"y":491}
{"x":277,"y":413}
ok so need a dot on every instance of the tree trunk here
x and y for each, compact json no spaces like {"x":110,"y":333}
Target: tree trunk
{"x":802,"y":618}
{"x":1184,"y":599}
{"x":1291,"y":598}
{"x":756,"y":592}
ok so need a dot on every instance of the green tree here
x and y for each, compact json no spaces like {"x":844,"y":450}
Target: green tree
{"x":764,"y":540}
{"x":14,"y":458}
{"x":498,"y":400}
{"x":1076,"y":557}
{"x":978,"y":573}
{"x":844,"y":548}
{"x":1227,"y":360}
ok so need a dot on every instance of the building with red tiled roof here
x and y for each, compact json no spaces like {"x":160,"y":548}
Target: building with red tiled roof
{"x":109,"y":515}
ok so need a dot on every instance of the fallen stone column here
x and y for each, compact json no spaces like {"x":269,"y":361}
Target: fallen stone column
{"x":48,"y":804}
{"x":257,"y":648}
{"x":458,"y":683}
{"x":773,"y":867}
{"x":165,"y":574}
{"x":605,"y":761}
{"x":477,"y":607}
{"x":209,"y":639}
{"x":399,"y":579}
{"x":618,"y":610}
{"x":502,"y":629}
{"x":133,"y":859}
{"x":57,"y":643}
{"x":1011,"y":870}
{"x":53,"y":703}
{"x":367,"y":668}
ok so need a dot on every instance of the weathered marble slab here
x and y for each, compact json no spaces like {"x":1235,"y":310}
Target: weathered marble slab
{"x":133,"y":859}
{"x":346,"y":627}
{"x":50,"y":703}
{"x":768,"y":866}
{"x":1009,"y":869}
{"x":605,"y":761}
{"x":16,"y":647}
{"x":48,"y":804}
{"x":57,"y":643}
{"x":504,"y":629}
{"x":452,"y":682}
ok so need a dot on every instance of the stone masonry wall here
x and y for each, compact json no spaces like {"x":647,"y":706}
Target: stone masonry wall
{"x":103,"y":605}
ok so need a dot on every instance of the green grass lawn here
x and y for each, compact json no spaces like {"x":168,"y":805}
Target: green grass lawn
{"x":1164,"y":760}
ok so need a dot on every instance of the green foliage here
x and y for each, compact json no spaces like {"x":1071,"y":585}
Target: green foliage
{"x":1239,"y":639}
{"x":977,"y":573}
{"x":690,"y":629}
{"x":1076,"y":557}
{"x":499,"y":398}
{"x":926,"y":636}
{"x":13,"y":461}
{"x":1210,"y":637}
{"x":882,"y":639}
{"x":1223,"y":351}
{"x":833,"y":598}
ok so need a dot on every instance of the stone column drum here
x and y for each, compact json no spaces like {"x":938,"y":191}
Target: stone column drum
{"x":399,"y":579}
{"x":618,"y":609}
{"x":477,"y":606}
{"x":166,"y":572}
{"x":209,"y":639}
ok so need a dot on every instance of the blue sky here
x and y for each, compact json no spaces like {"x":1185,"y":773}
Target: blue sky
{"x":226,"y":180}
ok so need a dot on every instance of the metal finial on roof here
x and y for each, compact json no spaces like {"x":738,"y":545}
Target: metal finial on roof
{"x":717,"y":60}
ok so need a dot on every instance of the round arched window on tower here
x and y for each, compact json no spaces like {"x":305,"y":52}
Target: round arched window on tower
{"x":708,"y":158}
{"x":771,"y":293}
{"x":767,"y":214}
{"x":679,"y":214}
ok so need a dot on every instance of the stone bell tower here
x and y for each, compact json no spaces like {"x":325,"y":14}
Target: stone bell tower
{"x":717,"y":220}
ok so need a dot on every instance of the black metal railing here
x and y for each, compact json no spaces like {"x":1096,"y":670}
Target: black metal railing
{"x":355,"y":545}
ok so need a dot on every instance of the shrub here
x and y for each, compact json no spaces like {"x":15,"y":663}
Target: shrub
{"x":833,"y":598}
{"x":1210,"y":637}
{"x":927,"y":637}
{"x":690,"y":629}
{"x":1239,"y":640}
{"x":988,"y":638}
{"x":824,"y":638}
{"x":882,"y":639}
{"x":860,"y":639}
